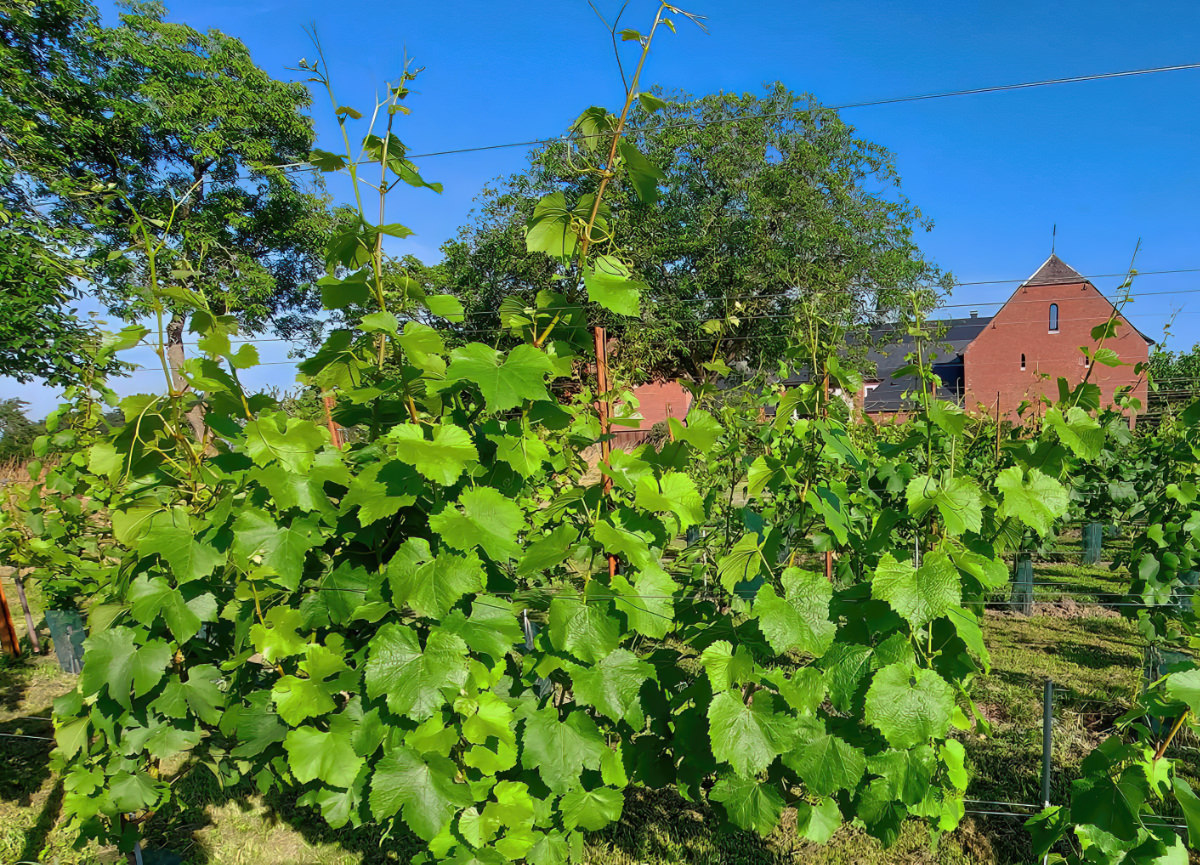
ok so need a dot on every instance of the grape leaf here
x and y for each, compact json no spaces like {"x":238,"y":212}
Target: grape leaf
{"x":748,"y":737}
{"x":748,"y":804}
{"x":591,"y":809}
{"x":613,"y":685}
{"x":314,"y":754}
{"x":1037,"y":500}
{"x":586,"y":630}
{"x":483,"y":518}
{"x":114,"y":658}
{"x":799,"y":620}
{"x":294,"y":444}
{"x":817,"y":823}
{"x":505,"y":383}
{"x":421,"y":789}
{"x":413,"y":679}
{"x":560,"y":750}
{"x":442,"y":459}
{"x":827,"y":764}
{"x":909,"y":705}
{"x":921,"y":594}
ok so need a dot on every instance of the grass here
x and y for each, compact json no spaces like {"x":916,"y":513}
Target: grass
{"x":1093,"y":656}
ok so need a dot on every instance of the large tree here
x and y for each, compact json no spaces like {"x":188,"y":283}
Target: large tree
{"x":150,"y":117}
{"x":48,"y":119}
{"x":772,"y":217}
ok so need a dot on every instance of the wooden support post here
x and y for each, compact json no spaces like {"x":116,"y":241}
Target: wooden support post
{"x":334,"y":433}
{"x":34,"y":642}
{"x":602,"y":385}
{"x":8,"y":630}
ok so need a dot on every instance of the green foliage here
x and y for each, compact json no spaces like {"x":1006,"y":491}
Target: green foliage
{"x":782,"y":230}
{"x":422,"y":629}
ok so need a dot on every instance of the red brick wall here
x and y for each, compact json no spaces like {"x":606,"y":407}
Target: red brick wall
{"x":992,"y":361}
{"x":657,"y":400}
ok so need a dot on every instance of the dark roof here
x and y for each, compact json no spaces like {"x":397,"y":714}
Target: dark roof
{"x":951,"y":336}
{"x":1053,"y":272}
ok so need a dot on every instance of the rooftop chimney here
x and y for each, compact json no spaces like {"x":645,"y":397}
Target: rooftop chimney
{"x":974,"y":313}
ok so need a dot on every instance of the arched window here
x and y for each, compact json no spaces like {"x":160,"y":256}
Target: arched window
{"x":1022,"y":361}
{"x":1053,"y":317}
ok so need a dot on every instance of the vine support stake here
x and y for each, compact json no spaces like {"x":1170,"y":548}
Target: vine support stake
{"x":1047,"y":739}
{"x":8,"y":630}
{"x":334,"y":433}
{"x":34,"y":642}
{"x":604,"y":407}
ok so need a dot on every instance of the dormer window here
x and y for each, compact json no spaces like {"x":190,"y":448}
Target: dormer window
{"x":1022,"y":361}
{"x":1053,"y":317}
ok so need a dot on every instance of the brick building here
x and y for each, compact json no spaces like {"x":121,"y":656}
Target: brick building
{"x":996,"y":364}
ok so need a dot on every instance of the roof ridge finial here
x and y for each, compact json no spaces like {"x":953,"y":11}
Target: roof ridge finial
{"x":1053,"y":238}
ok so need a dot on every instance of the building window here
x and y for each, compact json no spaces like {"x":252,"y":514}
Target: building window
{"x":1022,"y":361}
{"x":1053,"y":317}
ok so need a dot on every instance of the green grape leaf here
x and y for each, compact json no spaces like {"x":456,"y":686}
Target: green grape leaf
{"x":817,"y":823}
{"x":586,"y":630}
{"x":827,"y":764}
{"x":1078,"y":430}
{"x":610,"y":284}
{"x":483,"y":518}
{"x":298,"y":699}
{"x":748,"y":737}
{"x":445,"y":306}
{"x":648,"y":602}
{"x":150,"y":597}
{"x":258,"y":538}
{"x":847,"y":666}
{"x":1185,"y":687}
{"x":294,"y":444}
{"x":549,"y":229}
{"x":909,"y":705}
{"x":699,"y":429}
{"x":921,"y":594}
{"x":492,"y":628}
{"x":560,"y":750}
{"x":612,"y":686}
{"x":954,"y":757}
{"x":114,"y":659}
{"x":1110,"y":805}
{"x":382,"y":489}
{"x":505,"y":382}
{"x":314,"y":754}
{"x":430,"y":585}
{"x":442,"y":459}
{"x":277,"y":638}
{"x":1189,"y":804}
{"x":421,"y":789}
{"x":188,"y":558}
{"x":727,"y":668}
{"x":1035,"y":499}
{"x":591,"y":809}
{"x":799,"y":620}
{"x":749,"y":805}
{"x":958,"y":501}
{"x":412,"y":679}
{"x":673,"y":493}
{"x":643,"y":174}
{"x":742,"y":563}
{"x":135,"y":791}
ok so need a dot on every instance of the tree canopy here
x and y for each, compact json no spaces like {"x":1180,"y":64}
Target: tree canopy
{"x":772,"y":217}
{"x":157,"y":119}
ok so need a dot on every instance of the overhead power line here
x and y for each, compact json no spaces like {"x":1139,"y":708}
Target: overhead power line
{"x":847,"y":106}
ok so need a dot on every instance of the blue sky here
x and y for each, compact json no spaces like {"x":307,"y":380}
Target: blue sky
{"x":1109,"y":162}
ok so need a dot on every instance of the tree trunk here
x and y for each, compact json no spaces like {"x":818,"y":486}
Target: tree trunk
{"x":175,"y":357}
